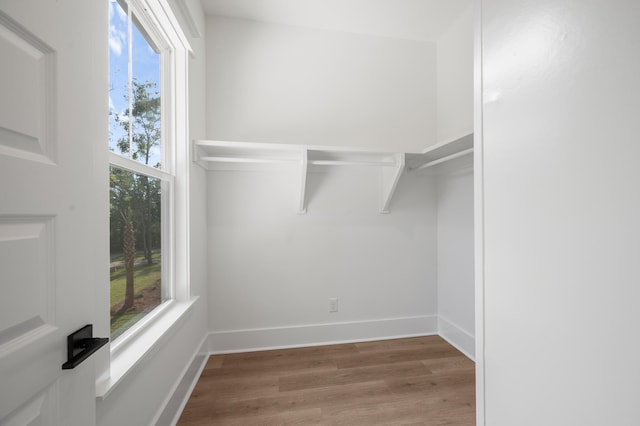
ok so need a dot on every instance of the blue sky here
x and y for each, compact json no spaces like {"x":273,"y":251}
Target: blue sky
{"x":145,"y":64}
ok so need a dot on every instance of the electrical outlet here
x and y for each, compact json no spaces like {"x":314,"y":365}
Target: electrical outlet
{"x":333,"y":304}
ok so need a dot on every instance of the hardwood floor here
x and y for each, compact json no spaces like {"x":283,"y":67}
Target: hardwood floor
{"x":417,"y":381}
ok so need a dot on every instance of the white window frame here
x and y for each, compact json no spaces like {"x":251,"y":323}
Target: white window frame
{"x":135,"y":344}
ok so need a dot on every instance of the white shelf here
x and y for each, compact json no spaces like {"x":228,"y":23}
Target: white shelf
{"x":226,"y":155}
{"x":212,"y":155}
{"x":440,"y":153}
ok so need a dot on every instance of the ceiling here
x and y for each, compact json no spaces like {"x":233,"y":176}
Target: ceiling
{"x":422,"y":20}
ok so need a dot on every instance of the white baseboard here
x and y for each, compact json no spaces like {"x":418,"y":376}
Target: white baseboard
{"x":457,"y":337}
{"x":181,"y":391}
{"x":221,"y":342}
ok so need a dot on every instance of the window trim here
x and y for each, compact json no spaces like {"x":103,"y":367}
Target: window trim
{"x":125,"y":163}
{"x":136,"y":343}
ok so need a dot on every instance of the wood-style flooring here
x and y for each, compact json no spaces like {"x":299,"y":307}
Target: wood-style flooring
{"x":416,"y":381}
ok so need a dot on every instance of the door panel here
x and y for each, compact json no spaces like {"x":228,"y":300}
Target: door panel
{"x":38,"y":411}
{"x":53,"y":203}
{"x":28,"y":113}
{"x":28,"y":337}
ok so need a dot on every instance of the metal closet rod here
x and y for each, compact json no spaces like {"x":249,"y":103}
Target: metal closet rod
{"x":446,"y":158}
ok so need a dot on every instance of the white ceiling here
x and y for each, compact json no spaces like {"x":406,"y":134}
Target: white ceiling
{"x":407,"y":19}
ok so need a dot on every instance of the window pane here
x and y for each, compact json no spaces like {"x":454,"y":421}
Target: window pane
{"x":135,"y":236}
{"x":134,"y":89}
{"x":118,"y":79}
{"x":146,"y":99}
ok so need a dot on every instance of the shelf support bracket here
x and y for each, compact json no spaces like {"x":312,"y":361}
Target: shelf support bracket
{"x":389,"y":177}
{"x":302,"y":208}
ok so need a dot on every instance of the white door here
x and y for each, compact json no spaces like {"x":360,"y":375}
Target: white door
{"x":53,"y":130}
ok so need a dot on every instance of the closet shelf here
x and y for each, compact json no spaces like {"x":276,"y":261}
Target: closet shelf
{"x":440,"y":153}
{"x":212,"y":155}
{"x":225,"y":155}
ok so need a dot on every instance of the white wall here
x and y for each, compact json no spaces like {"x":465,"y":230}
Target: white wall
{"x":155,"y":388}
{"x":455,"y":79}
{"x":561,"y":212}
{"x":284,"y":84}
{"x":271,"y":268}
{"x":456,"y":291}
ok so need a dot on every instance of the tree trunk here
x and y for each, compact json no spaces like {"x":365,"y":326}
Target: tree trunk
{"x":147,"y":223}
{"x":129,"y":264}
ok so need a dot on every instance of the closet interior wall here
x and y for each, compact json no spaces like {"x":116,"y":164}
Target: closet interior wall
{"x":272,"y":271}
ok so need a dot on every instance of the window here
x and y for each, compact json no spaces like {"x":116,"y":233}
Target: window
{"x":142,"y":166}
{"x":149,"y":182}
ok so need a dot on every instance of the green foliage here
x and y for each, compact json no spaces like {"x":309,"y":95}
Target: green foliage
{"x":145,"y":122}
{"x":145,"y":276}
{"x":137,"y":197}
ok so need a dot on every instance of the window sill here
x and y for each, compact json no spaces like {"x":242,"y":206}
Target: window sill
{"x":128,"y":355}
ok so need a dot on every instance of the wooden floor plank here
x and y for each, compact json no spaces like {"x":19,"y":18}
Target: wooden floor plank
{"x":393,"y":355}
{"x":417,"y":381}
{"x":339,"y":377}
{"x":430,"y":383}
{"x":403,"y":412}
{"x":399,"y":344}
{"x":275,"y":358}
{"x":214,"y":362}
{"x":361,"y":393}
{"x":243,"y":387}
{"x":449,"y":364}
{"x":289,"y":418}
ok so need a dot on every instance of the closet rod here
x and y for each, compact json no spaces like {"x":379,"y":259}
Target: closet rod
{"x":352,"y":163}
{"x":446,"y":158}
{"x":247,"y":160}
